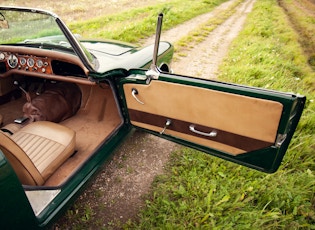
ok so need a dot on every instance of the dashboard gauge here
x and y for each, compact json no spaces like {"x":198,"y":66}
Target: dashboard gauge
{"x":22,"y":61}
{"x":30,"y":62}
{"x":2,"y":56}
{"x":39,"y":63}
{"x":12,"y":61}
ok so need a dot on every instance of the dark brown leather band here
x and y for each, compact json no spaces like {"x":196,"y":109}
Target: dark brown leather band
{"x":238,"y":141}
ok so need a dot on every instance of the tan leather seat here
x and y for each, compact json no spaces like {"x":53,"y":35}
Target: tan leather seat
{"x":11,"y":128}
{"x":37,"y":150}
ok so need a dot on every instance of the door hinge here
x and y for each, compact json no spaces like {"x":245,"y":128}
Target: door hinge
{"x":152,"y":73}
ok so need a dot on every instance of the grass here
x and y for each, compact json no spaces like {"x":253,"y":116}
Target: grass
{"x":203,"y":192}
{"x":136,"y":24}
{"x":302,"y":16}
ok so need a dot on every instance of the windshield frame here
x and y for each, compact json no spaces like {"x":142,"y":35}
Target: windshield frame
{"x":86,"y":57}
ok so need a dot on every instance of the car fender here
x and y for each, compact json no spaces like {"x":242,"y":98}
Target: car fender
{"x":15,"y":208}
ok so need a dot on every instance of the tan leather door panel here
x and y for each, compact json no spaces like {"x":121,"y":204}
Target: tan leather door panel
{"x":231,"y":123}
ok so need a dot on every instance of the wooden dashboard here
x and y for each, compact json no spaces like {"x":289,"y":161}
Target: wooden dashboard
{"x":42,"y":63}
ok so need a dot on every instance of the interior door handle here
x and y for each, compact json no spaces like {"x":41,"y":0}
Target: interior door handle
{"x":167,"y":124}
{"x":213,"y":133}
{"x":134,"y":92}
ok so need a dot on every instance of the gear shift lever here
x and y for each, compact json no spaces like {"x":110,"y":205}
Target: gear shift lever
{"x":28,"y":97}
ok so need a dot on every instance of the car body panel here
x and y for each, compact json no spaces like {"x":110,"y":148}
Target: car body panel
{"x":15,"y":209}
{"x":128,"y":58}
{"x":246,"y":125}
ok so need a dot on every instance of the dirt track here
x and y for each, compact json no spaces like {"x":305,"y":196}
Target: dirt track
{"x":117,"y":193}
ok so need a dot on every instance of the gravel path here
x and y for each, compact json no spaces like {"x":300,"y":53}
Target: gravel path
{"x":116,"y":194}
{"x":203,"y":61}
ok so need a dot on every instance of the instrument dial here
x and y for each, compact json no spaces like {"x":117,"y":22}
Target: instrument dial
{"x":39,"y":63}
{"x":30,"y":62}
{"x":2,"y":56}
{"x":12,"y":61}
{"x":22,"y":61}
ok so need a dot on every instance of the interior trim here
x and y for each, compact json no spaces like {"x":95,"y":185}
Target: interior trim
{"x":244,"y":123}
{"x":244,"y":115}
{"x":244,"y":143}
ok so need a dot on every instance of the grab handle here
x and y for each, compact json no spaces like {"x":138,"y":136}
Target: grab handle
{"x":213,"y":133}
{"x":134,"y":92}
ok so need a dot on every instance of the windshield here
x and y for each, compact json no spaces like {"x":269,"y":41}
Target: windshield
{"x":40,"y":29}
{"x":29,"y":27}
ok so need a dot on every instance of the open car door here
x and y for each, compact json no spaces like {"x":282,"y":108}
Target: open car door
{"x":246,"y":125}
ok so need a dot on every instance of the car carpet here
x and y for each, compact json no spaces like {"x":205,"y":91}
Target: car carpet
{"x":97,"y":118}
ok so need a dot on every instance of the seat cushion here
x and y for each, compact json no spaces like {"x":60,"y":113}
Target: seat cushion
{"x":21,"y":163}
{"x":47,"y":144}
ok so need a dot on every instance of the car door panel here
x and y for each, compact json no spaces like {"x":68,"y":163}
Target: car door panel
{"x":241,"y":123}
{"x":226,"y":120}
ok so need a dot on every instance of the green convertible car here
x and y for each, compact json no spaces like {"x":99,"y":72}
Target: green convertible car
{"x":66,"y":103}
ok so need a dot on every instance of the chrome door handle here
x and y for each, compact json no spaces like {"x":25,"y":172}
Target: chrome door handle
{"x":213,"y":133}
{"x":134,"y":92}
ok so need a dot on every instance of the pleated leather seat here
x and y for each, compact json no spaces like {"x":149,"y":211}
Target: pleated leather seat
{"x":37,"y":150}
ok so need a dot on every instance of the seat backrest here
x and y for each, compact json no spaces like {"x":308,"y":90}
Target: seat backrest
{"x":19,"y":160}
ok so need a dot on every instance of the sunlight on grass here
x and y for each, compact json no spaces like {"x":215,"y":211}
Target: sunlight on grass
{"x":139,"y":23}
{"x":302,"y":18}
